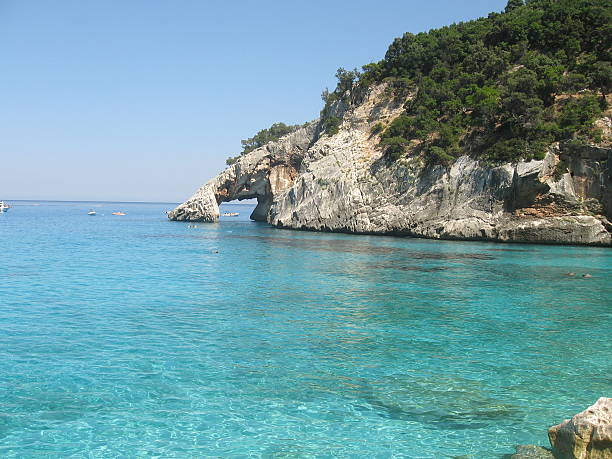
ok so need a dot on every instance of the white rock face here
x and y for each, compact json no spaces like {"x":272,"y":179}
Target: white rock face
{"x":262,"y":174}
{"x":345,"y":183}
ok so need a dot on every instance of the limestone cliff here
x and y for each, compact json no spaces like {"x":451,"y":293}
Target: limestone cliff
{"x":345,"y":183}
{"x":263,"y":174}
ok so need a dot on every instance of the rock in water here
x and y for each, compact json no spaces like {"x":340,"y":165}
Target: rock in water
{"x":263,"y":174}
{"x":588,"y":435}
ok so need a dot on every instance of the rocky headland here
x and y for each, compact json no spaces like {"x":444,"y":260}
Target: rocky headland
{"x":497,"y":129}
{"x":344,"y":182}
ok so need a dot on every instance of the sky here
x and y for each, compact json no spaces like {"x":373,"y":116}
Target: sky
{"x":143,"y":100}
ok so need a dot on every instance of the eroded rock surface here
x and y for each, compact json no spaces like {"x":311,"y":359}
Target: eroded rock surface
{"x":345,"y":183}
{"x":587,"y":435}
{"x":263,"y":174}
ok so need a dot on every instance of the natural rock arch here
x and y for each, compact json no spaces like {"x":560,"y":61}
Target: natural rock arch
{"x":261,"y":174}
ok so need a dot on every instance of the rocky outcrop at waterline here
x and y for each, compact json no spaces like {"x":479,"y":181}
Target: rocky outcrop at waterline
{"x":263,"y":174}
{"x":345,"y":183}
{"x":587,"y":435}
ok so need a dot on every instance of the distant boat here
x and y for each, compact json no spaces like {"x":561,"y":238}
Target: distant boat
{"x":231,"y":214}
{"x":117,"y":213}
{"x":4,"y":207}
{"x":91,"y":212}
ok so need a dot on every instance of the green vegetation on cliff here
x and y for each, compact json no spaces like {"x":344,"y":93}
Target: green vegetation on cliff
{"x":500,"y":88}
{"x":274,"y":132}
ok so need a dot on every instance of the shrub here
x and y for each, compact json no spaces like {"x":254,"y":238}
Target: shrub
{"x":438,"y":155}
{"x":377,"y":128}
{"x":232,"y":160}
{"x":395,"y":146}
{"x":577,"y":115}
{"x":332,"y":125}
{"x":274,"y":132}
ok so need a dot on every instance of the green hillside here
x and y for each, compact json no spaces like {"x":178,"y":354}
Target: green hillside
{"x":500,"y":88}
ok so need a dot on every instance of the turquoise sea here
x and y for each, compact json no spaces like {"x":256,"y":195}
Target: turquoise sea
{"x":135,"y":337}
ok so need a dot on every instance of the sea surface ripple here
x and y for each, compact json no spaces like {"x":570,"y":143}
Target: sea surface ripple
{"x":134,"y":336}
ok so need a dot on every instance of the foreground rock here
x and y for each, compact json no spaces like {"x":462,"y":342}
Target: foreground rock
{"x":345,"y":183}
{"x":588,"y":435}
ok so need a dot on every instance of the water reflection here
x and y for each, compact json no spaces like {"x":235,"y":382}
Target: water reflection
{"x":360,"y":247}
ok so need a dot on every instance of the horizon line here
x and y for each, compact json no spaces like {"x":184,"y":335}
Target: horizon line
{"x":90,"y":200}
{"x":114,"y":202}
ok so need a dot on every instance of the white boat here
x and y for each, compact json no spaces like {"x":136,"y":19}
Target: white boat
{"x":4,"y":207}
{"x":231,"y":214}
{"x":91,"y":212}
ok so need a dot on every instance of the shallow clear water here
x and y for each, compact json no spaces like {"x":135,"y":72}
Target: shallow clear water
{"x":132,"y":337}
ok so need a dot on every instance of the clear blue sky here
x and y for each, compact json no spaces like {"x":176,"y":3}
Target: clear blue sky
{"x":144,"y":99}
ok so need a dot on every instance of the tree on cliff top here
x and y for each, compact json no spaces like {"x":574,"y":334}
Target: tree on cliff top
{"x":274,"y":132}
{"x":512,"y":4}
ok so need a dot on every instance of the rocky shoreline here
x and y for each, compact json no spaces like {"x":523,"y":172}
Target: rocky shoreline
{"x":587,"y":435}
{"x":344,"y":183}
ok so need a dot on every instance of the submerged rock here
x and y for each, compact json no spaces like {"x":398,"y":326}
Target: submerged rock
{"x":587,"y":435}
{"x":531,"y":452}
{"x":346,"y":183}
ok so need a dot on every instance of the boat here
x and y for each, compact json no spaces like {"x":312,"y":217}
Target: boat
{"x":231,"y":214}
{"x":91,"y":212}
{"x":4,"y":207}
{"x":117,"y":213}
